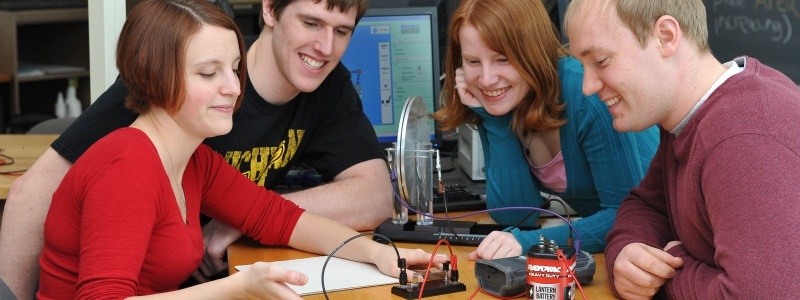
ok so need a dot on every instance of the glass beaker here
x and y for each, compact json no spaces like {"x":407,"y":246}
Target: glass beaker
{"x":419,"y":177}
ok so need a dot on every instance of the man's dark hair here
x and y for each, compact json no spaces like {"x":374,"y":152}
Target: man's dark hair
{"x":277,"y":7}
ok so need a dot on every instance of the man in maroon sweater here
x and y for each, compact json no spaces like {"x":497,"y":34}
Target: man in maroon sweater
{"x":714,"y":217}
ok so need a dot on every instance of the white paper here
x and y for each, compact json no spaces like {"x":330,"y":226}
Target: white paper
{"x":340,"y":274}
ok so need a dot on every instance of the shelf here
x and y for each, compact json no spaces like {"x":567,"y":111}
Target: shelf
{"x":53,"y":76}
{"x":47,"y":16}
{"x":57,"y":38}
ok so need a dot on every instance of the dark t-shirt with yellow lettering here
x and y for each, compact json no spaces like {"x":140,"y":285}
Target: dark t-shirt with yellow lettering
{"x":325,"y":129}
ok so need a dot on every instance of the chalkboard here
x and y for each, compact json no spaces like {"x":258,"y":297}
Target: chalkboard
{"x":764,"y":29}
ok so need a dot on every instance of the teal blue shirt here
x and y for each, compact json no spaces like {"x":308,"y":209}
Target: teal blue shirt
{"x":602,"y":165}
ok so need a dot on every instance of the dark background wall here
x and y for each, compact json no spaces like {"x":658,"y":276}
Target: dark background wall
{"x":764,"y":29}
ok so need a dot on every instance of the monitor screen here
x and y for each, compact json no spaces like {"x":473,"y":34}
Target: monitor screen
{"x":394,"y":54}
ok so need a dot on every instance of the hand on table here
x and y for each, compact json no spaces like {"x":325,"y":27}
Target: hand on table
{"x":640,"y":270}
{"x":415,"y":259}
{"x":498,"y":244}
{"x":268,"y":281}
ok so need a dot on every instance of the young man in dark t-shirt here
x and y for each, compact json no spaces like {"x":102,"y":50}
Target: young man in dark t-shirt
{"x":298,"y":105}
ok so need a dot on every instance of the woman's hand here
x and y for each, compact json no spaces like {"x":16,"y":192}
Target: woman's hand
{"x":417,"y":258}
{"x":217,"y":236}
{"x":268,"y":281}
{"x":497,"y":244}
{"x":466,"y":97}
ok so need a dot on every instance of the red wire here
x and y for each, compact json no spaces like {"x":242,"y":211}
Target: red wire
{"x":430,"y":263}
{"x":474,"y":294}
{"x":564,"y":262}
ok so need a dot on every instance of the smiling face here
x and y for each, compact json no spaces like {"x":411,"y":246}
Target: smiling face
{"x":212,"y":83}
{"x":308,"y":40}
{"x":490,"y":77}
{"x":633,"y":81}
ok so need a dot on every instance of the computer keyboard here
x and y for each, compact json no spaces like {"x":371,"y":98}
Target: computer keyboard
{"x":459,"y":198}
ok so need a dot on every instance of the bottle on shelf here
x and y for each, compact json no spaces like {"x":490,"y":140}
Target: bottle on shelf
{"x":61,"y":106}
{"x":74,"y":108}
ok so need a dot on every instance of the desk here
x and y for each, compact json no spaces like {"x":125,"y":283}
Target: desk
{"x":24,"y":149}
{"x":246,"y":251}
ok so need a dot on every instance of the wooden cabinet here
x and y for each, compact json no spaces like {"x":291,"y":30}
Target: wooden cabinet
{"x":41,"y":50}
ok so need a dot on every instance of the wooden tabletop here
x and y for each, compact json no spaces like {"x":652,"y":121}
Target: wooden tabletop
{"x":24,"y":149}
{"x":246,"y":251}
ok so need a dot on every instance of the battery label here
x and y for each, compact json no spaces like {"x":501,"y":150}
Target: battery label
{"x":550,"y":292}
{"x":547,"y":281}
{"x":540,"y":270}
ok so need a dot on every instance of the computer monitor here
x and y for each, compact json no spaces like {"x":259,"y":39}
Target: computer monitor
{"x":394,"y":54}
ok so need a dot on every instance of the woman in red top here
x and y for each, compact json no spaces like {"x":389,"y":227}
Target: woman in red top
{"x":125,"y":220}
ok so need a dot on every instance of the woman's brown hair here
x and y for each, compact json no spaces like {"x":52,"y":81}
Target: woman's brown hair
{"x":151,"y":50}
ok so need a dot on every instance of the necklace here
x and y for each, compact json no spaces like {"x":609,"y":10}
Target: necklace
{"x":174,"y":171}
{"x":528,"y":145}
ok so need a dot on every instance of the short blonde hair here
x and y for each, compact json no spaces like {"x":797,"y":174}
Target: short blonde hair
{"x":640,"y":17}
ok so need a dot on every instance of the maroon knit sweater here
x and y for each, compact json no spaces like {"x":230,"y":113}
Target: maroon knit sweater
{"x":728,"y":188}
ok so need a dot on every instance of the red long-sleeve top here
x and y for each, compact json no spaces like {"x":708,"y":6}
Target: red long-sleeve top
{"x":114,"y":228}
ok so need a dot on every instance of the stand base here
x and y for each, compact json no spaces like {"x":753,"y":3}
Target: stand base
{"x":432,"y":288}
{"x":456,"y":232}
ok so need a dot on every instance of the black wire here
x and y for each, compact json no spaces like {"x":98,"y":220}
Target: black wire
{"x":453,"y":157}
{"x":13,"y":172}
{"x":447,"y":214}
{"x":566,"y":211}
{"x":563,"y":205}
{"x":544,"y":205}
{"x":322,"y":275}
{"x":7,"y":160}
